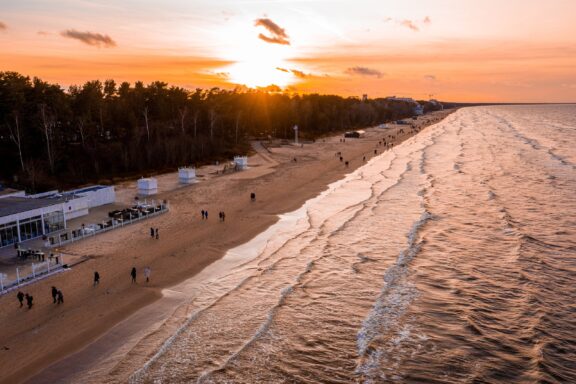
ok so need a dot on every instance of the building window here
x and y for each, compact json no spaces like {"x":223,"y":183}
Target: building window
{"x":53,"y":222}
{"x":30,"y":228}
{"x":8,"y":233}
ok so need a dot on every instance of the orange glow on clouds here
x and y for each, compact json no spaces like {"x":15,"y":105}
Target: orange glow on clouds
{"x":513,"y":51}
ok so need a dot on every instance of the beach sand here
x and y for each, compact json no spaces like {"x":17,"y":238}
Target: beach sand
{"x":104,"y":333}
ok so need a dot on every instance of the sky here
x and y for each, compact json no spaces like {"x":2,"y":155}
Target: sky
{"x":451,"y":50}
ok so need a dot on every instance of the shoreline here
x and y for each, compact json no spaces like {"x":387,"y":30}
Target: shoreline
{"x":107,"y":314}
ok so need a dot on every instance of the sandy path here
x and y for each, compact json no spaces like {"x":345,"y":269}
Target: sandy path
{"x":115,"y":318}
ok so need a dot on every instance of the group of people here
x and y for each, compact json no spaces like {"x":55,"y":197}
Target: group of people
{"x":147,"y":272}
{"x":204,"y":214}
{"x":57,"y":296}
{"x":29,"y":299}
{"x":221,"y":215}
{"x":154,"y":233}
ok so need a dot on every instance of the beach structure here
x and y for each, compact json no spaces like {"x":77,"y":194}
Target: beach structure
{"x":147,"y":186}
{"x":355,"y":134}
{"x":25,"y":217}
{"x":187,"y":175}
{"x":241,"y":162}
{"x":418,"y":110}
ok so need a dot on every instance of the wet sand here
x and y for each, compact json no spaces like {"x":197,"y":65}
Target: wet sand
{"x":111,"y":329}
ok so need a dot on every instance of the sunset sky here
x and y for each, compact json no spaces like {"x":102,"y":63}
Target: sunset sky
{"x":473,"y":50}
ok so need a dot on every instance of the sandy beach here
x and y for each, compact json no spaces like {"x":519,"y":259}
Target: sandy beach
{"x":111,"y":329}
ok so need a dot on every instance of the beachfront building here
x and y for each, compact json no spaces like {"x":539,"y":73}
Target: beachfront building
{"x":25,"y":217}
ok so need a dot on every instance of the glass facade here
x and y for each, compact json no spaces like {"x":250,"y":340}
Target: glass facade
{"x":8,"y":233}
{"x":30,"y":228}
{"x":53,"y":222}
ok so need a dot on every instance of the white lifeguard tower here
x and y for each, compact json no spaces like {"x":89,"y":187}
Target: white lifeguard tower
{"x":241,"y":162}
{"x":147,"y":186}
{"x":187,"y":175}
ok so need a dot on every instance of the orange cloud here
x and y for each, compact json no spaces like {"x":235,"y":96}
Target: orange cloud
{"x":363,"y":71}
{"x":3,"y":26}
{"x":410,"y":25}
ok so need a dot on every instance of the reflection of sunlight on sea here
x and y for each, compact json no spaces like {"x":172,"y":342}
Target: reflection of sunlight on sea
{"x":422,"y":265}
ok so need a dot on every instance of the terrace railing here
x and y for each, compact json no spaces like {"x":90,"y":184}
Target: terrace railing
{"x":90,"y":231}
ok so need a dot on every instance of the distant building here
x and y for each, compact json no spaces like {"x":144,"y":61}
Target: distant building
{"x":355,"y":134}
{"x":418,"y":109}
{"x":405,"y":99}
{"x":436,"y":104}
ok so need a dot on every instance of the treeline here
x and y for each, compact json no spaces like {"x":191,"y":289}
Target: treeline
{"x":52,"y":138}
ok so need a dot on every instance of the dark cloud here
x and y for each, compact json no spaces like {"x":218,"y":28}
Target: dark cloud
{"x":295,"y":72}
{"x":90,"y":38}
{"x":409,"y":24}
{"x":223,"y":75}
{"x":3,"y":26}
{"x":300,"y":74}
{"x":430,"y":77}
{"x":363,"y":71}
{"x":278,"y":35}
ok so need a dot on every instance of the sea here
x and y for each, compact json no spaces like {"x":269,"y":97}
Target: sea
{"x":450,"y":258}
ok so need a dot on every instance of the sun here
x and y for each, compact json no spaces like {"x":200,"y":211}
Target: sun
{"x":256,"y":63}
{"x":257,"y":73}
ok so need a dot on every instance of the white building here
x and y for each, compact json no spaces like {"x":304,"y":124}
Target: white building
{"x":147,"y":187}
{"x":27,"y":217}
{"x":187,"y":175}
{"x":241,"y":162}
{"x":23,"y":218}
{"x":418,"y":109}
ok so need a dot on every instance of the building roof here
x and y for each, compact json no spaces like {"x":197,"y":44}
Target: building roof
{"x":14,"y":205}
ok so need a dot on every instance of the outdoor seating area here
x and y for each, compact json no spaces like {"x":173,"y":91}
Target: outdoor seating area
{"x":116,"y":218}
{"x":33,"y":254}
{"x":134,"y":212}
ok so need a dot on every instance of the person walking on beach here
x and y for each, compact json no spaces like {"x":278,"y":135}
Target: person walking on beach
{"x":54,"y":294}
{"x":29,"y":299}
{"x":206,"y":214}
{"x":147,"y":272}
{"x":133,"y":274}
{"x":202,"y":212}
{"x":151,"y":232}
{"x":60,"y":298}
{"x":253,"y":196}
{"x":157,"y":235}
{"x":20,"y":297}
{"x":96,"y":278}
